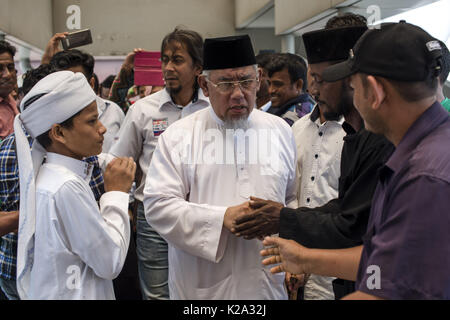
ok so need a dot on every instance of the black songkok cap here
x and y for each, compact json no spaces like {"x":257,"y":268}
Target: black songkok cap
{"x":397,"y":51}
{"x":228,"y":52}
{"x":331,"y":44}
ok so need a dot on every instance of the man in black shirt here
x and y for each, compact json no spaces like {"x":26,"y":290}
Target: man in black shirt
{"x":342,"y":222}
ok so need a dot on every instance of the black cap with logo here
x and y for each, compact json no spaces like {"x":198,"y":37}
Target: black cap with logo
{"x":228,"y":52}
{"x":397,"y":51}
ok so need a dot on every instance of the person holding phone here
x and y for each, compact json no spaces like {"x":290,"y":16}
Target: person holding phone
{"x":145,"y":121}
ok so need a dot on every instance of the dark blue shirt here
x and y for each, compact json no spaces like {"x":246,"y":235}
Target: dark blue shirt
{"x":406,"y":251}
{"x":294,"y":109}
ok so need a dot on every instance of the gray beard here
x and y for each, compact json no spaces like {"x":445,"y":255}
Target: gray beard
{"x":234,"y":124}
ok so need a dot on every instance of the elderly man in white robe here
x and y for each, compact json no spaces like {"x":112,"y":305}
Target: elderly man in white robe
{"x":203,"y":172}
{"x":68,"y":248}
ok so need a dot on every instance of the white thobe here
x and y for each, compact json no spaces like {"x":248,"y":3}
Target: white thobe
{"x":111,"y":116}
{"x":79,"y":249}
{"x":319,"y":148}
{"x":190,"y":185}
{"x":145,"y":121}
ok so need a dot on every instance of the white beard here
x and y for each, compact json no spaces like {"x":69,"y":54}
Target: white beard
{"x":241,"y":123}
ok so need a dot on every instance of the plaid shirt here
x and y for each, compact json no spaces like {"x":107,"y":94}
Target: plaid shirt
{"x":9,"y":199}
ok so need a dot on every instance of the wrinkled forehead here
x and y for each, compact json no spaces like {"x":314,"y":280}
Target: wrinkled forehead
{"x":246,"y":72}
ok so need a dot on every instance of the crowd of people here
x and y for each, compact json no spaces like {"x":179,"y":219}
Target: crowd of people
{"x":266,"y":177}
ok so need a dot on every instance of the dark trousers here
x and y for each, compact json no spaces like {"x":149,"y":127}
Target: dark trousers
{"x":126,"y":285}
{"x":342,"y":288}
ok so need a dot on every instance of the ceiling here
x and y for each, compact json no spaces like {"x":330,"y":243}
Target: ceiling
{"x":266,"y":19}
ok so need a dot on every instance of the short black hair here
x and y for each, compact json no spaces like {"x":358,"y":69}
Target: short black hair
{"x":348,"y":19}
{"x":445,"y":65}
{"x":409,"y":91}
{"x":7,"y":47}
{"x":31,"y":78}
{"x":295,"y":65}
{"x":108,"y":82}
{"x":35,"y":75}
{"x":66,"y":59}
{"x":44,"y":139}
{"x":191,"y":40}
{"x":263,"y":59}
{"x":96,"y":84}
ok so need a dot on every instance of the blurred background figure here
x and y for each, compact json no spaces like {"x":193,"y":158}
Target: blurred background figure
{"x":263,"y":96}
{"x":96,"y":85}
{"x":105,"y":86}
{"x":8,"y":89}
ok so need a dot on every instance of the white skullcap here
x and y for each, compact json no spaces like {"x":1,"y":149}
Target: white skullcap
{"x":53,"y":100}
{"x":63,"y":94}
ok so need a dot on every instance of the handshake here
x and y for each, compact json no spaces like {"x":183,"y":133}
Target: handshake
{"x":256,"y":218}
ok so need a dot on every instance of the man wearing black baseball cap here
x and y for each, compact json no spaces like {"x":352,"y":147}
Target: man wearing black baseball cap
{"x":405,"y":254}
{"x":327,"y":218}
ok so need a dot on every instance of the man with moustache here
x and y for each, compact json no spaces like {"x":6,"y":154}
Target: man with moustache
{"x":341,"y":222}
{"x":145,"y":121}
{"x":319,"y":139}
{"x":202,"y":172}
{"x":8,"y":81}
{"x":405,"y":254}
{"x":8,"y":109}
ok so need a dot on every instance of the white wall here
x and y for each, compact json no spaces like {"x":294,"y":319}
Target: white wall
{"x":28,"y":20}
{"x":118,"y":26}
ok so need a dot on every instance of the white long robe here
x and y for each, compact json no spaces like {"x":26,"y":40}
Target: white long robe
{"x":79,"y":249}
{"x":188,"y":190}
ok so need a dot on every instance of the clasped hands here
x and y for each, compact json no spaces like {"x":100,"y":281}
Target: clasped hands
{"x":256,"y":218}
{"x":260,"y":218}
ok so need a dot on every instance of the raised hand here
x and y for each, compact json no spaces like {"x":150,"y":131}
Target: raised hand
{"x":52,"y":47}
{"x":287,"y":254}
{"x":119,"y":174}
{"x":128,"y":63}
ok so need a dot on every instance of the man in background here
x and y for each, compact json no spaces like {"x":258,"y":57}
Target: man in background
{"x":287,"y":79}
{"x":263,"y":95}
{"x":445,"y":69}
{"x":146,"y":120}
{"x":8,"y":82}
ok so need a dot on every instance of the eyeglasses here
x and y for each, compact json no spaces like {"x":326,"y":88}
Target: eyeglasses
{"x":228,"y":86}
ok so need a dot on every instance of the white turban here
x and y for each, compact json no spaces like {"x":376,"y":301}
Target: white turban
{"x":54,"y":99}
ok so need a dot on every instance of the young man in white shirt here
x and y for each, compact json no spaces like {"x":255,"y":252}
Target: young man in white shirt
{"x":109,"y":113}
{"x":68,"y":248}
{"x":146,"y":120}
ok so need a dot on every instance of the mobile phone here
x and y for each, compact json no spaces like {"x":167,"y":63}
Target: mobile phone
{"x":147,"y":69}
{"x":77,"y":39}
